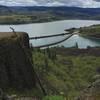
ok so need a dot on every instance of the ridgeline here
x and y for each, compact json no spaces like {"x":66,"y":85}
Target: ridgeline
{"x":35,"y":14}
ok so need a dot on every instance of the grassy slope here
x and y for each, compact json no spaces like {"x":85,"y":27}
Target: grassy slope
{"x":93,"y":31}
{"x":21,"y":15}
{"x":22,"y":19}
{"x":65,"y":75}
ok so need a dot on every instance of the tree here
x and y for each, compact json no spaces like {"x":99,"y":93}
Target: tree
{"x":76,"y":45}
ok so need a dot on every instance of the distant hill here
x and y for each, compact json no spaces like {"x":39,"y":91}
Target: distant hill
{"x":4,"y":10}
{"x":62,"y":11}
{"x":37,"y":14}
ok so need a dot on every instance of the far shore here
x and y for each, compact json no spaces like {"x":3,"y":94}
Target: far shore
{"x":37,"y":22}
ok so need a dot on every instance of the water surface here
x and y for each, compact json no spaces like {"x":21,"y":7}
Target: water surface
{"x":57,"y":27}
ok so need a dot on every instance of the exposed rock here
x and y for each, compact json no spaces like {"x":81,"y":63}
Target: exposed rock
{"x":16,"y":71}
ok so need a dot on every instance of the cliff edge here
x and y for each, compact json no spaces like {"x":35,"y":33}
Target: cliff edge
{"x":16,"y":70}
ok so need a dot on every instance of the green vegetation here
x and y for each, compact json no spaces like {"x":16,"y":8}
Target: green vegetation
{"x":92,"y":31}
{"x":53,"y":98}
{"x":33,"y":14}
{"x":25,"y":18}
{"x":65,"y":74}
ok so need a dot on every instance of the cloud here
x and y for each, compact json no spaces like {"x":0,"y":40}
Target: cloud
{"x":97,"y":0}
{"x":76,"y":3}
{"x":56,"y":3}
{"x":18,"y":2}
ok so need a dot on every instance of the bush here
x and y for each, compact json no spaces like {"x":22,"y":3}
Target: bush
{"x":53,"y":98}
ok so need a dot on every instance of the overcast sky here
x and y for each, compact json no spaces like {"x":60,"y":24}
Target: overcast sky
{"x":76,"y":3}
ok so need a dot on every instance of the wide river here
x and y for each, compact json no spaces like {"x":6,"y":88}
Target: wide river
{"x":39,"y":29}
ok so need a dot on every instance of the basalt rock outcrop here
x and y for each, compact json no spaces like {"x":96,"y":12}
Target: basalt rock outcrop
{"x":16,"y":70}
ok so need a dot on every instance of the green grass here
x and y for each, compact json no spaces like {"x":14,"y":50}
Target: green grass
{"x":53,"y":98}
{"x":26,"y":18}
{"x":65,"y":75}
{"x":93,"y":30}
{"x":35,"y":92}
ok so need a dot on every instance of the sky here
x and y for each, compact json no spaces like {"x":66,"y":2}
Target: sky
{"x":75,"y":3}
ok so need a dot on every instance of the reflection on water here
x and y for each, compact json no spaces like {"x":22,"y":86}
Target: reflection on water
{"x":82,"y":42}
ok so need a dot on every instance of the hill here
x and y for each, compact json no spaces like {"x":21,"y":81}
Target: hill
{"x":33,"y":14}
{"x":63,"y":12}
{"x":66,"y":71}
{"x":4,"y":10}
{"x":92,"y":31}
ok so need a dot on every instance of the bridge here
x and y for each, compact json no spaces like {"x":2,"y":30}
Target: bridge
{"x":48,"y":36}
{"x":31,"y":60}
{"x":55,"y":43}
{"x":69,"y":34}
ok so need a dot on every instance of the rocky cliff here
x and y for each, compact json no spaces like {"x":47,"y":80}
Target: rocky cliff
{"x":16,"y":71}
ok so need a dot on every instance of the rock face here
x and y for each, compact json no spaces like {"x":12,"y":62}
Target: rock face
{"x":16,"y":71}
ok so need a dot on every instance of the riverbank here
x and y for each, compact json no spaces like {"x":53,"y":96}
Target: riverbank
{"x":16,"y":19}
{"x":20,"y":19}
{"x":92,"y":31}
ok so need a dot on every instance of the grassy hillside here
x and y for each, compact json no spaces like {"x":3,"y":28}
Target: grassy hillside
{"x":66,"y":72}
{"x":25,"y":18}
{"x":92,"y":31}
{"x":21,"y":15}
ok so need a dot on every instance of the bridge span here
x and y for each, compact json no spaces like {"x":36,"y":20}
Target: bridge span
{"x":48,"y":36}
{"x":55,"y":43}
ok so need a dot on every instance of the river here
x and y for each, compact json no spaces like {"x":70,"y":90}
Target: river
{"x":39,"y":29}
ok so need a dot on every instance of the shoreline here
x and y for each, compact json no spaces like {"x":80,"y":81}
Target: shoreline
{"x":89,"y":37}
{"x":40,"y":22}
